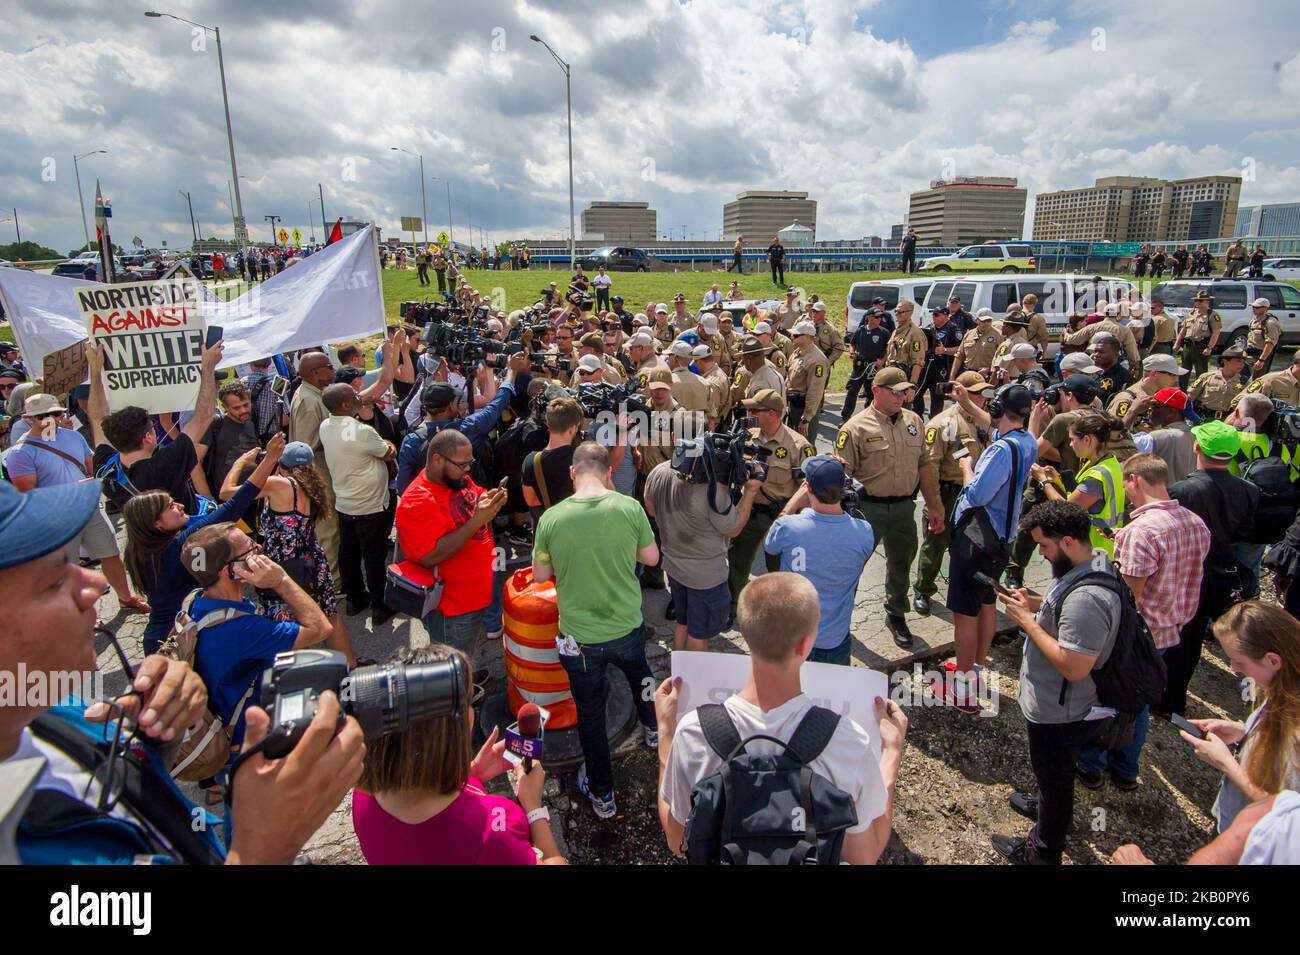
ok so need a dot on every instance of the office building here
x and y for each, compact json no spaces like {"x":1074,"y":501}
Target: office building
{"x":1279,"y":218}
{"x":760,"y":215}
{"x":1136,"y":209}
{"x":632,"y":223}
{"x":967,"y":210}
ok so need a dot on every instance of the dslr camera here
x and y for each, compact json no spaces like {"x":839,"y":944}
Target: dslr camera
{"x":601,"y":396}
{"x":722,"y":457}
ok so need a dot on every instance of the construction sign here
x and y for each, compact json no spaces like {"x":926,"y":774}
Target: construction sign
{"x":283,"y":237}
{"x":442,"y":239}
{"x":297,"y":238}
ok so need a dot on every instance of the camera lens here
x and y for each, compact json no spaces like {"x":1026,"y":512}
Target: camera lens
{"x":386,"y":698}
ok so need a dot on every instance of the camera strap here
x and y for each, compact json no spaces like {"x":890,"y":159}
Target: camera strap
{"x":540,"y":478}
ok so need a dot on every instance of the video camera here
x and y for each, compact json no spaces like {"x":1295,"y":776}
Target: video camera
{"x":384,"y":698}
{"x":601,"y":396}
{"x":550,"y":361}
{"x":722,"y":457}
{"x":466,"y":343}
{"x":1285,"y":423}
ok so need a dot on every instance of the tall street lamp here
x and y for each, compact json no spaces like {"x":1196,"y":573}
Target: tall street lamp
{"x":568,"y":96}
{"x":424,"y":211}
{"x":80,"y":198}
{"x":312,"y":221}
{"x":241,"y":227}
{"x":194,"y":229}
{"x":451,"y":232}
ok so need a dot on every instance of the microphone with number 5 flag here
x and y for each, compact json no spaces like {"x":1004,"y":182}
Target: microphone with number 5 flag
{"x":524,"y":739}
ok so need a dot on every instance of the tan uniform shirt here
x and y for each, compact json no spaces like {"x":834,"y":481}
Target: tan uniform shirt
{"x":664,"y":336}
{"x":1035,"y":332}
{"x":1281,"y":385}
{"x":1124,"y":400}
{"x":719,"y":391}
{"x":807,"y":376}
{"x":1002,"y":358}
{"x":1127,"y":343}
{"x":789,"y":450}
{"x":785,"y":315}
{"x":1166,"y":331}
{"x":907,"y":346}
{"x":1214,"y":393}
{"x":831,"y":342}
{"x":726,"y":357}
{"x":884,"y":454}
{"x":690,"y":391}
{"x":1264,"y":331}
{"x":778,"y":355}
{"x":947,"y":432}
{"x":977,"y":350}
{"x":656,"y":437}
{"x":1198,"y":328}
{"x":642,"y":371}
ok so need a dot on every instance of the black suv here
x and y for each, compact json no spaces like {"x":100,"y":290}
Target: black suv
{"x":616,"y":258}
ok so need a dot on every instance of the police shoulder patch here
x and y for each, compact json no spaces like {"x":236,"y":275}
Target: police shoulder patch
{"x":807,"y":451}
{"x":931,"y":434}
{"x":1197,"y":382}
{"x":1122,"y":409}
{"x":738,"y":377}
{"x":842,"y":440}
{"x":916,"y":345}
{"x":1255,"y":385}
{"x":819,"y":371}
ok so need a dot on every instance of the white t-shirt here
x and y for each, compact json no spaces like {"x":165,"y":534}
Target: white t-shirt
{"x":1275,"y":840}
{"x":601,"y":281}
{"x":847,"y":761}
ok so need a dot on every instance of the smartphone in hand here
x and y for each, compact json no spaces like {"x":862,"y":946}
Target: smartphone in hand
{"x":215,"y":334}
{"x":1187,"y":727}
{"x":988,"y":581}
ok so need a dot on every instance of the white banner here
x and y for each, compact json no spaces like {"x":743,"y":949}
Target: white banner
{"x":849,"y":691}
{"x":330,"y":296}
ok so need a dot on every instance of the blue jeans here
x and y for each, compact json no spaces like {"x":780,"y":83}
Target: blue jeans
{"x":1122,"y":762}
{"x":464,"y":632}
{"x":587,"y":681}
{"x":493,"y":619}
{"x":838,"y":654}
{"x":1249,"y":557}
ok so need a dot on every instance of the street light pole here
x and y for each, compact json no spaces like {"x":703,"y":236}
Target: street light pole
{"x":568,"y":97}
{"x":451,"y":232}
{"x":424,"y":209}
{"x":85,"y":228}
{"x":194,"y":230}
{"x":241,"y":227}
{"x":273,"y":220}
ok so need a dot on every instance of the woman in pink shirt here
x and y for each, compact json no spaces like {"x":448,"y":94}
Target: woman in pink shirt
{"x":421,"y":799}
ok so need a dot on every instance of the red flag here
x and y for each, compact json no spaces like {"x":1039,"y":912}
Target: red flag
{"x":336,"y":233}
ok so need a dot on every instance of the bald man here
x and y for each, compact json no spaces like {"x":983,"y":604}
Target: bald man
{"x":306,"y":413}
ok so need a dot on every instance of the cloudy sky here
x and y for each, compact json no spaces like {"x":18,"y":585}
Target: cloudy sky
{"x":683,"y":104}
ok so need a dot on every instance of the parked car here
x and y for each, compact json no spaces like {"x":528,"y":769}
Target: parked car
{"x":861,"y":294}
{"x":1231,"y":298}
{"x":616,"y":258}
{"x":76,"y":267}
{"x":989,"y":257}
{"x":1282,"y":270}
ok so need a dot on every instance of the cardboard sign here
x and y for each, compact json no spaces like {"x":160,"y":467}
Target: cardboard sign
{"x":152,"y":334}
{"x":849,"y":691}
{"x":63,"y":370}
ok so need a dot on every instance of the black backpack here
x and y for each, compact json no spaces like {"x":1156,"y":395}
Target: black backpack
{"x":767,"y":810}
{"x":1134,"y":674}
{"x":1277,"y":499}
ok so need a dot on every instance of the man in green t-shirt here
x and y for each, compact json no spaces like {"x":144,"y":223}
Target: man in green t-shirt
{"x":591,"y":543}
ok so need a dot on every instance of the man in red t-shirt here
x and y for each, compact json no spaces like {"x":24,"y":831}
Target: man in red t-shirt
{"x":443,"y":523}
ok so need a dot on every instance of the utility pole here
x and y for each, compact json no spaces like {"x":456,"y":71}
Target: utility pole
{"x":273,"y":220}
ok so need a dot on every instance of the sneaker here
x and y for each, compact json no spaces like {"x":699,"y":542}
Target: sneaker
{"x":519,"y":537}
{"x":1025,"y":803}
{"x":1090,"y":780}
{"x":945,"y":691}
{"x":1017,"y":850}
{"x":495,"y":634}
{"x":651,"y":737}
{"x":603,"y":805}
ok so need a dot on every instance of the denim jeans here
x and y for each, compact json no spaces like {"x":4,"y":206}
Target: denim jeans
{"x":840,"y":654}
{"x":587,"y":681}
{"x":1122,"y":762}
{"x":1249,"y":557}
{"x":493,"y":616}
{"x":464,"y":631}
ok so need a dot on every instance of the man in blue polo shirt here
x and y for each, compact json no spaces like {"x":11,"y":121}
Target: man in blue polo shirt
{"x":816,"y":539}
{"x":233,"y":652}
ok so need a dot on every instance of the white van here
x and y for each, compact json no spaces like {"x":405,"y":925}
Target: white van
{"x":1059,"y":295}
{"x":891,"y":290}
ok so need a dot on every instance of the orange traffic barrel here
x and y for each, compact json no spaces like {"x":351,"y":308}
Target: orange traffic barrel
{"x":533,"y":670}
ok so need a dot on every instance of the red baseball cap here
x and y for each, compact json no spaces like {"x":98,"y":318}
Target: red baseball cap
{"x":1172,"y":397}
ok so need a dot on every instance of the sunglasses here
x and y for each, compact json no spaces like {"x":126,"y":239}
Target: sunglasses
{"x":462,"y":465}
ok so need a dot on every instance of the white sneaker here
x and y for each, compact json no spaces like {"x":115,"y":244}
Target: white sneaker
{"x":603,"y":805}
{"x":495,"y":634}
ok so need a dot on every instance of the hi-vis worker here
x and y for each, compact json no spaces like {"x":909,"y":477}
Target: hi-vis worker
{"x":1100,"y":487}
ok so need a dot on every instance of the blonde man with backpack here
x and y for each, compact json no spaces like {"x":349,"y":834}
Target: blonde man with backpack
{"x":778,"y":615}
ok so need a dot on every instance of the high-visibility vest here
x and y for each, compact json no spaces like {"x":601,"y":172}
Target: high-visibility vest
{"x":1110,"y":517}
{"x":1253,"y":445}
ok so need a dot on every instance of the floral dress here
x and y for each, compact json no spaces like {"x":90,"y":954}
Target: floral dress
{"x":290,"y":540}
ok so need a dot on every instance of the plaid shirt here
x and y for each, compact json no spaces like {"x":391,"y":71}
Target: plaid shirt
{"x":1165,"y":543}
{"x":270,"y":406}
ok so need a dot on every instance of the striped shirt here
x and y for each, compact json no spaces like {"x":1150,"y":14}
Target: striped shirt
{"x":1165,"y":543}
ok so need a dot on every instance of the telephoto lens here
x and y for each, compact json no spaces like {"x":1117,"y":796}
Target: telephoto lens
{"x":386,"y":697}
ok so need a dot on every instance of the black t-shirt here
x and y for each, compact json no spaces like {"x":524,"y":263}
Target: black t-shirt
{"x":1112,"y":382}
{"x":870,"y":343}
{"x":555,"y":471}
{"x":167,"y":470}
{"x":1227,"y":505}
{"x":226,"y":440}
{"x":949,"y":336}
{"x":776,"y":252}
{"x":909,"y":243}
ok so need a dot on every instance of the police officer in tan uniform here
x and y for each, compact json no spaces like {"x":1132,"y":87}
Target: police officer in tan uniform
{"x":1123,"y":334}
{"x":1198,"y":334}
{"x":718,"y":383}
{"x":1262,"y":338}
{"x":755,"y":372}
{"x":883,"y":446}
{"x":1214,"y":393}
{"x":787,"y":450}
{"x":908,"y":345}
{"x":1037,"y":332}
{"x":1165,"y":327}
{"x":978,"y":346}
{"x":950,"y":432}
{"x":641,"y":352}
{"x":828,"y":339}
{"x":781,"y":345}
{"x":788,"y":312}
{"x":730,"y":339}
{"x":664,"y":331}
{"x":593,"y":344}
{"x":563,"y":351}
{"x":1159,"y":371}
{"x":710,"y":331}
{"x":1283,"y":385}
{"x":689,"y":389}
{"x":805,"y":379}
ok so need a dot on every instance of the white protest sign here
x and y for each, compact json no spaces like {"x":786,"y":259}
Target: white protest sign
{"x":849,"y":691}
{"x":152,"y":333}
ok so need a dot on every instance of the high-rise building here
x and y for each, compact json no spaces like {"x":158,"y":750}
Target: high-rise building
{"x":1278,"y":218}
{"x":967,"y":210}
{"x":759,"y":215}
{"x":896,"y":233}
{"x":630,"y":222}
{"x":1136,"y":209}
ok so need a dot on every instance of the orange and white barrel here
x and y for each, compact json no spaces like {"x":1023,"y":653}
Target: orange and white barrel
{"x":533,"y":670}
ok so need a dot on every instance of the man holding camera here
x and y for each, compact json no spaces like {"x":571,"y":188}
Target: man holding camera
{"x":664,"y":422}
{"x":950,"y":436}
{"x":805,"y":378}
{"x":786,"y":451}
{"x":49,"y":604}
{"x":696,"y":520}
{"x":883,"y":447}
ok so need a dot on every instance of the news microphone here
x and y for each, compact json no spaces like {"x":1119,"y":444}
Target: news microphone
{"x":530,"y":727}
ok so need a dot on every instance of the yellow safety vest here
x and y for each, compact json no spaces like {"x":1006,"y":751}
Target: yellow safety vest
{"x":1111,"y":515}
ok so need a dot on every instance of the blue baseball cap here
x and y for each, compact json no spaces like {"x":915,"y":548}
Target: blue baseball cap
{"x":296,"y":454}
{"x":823,"y":471}
{"x":42,"y":520}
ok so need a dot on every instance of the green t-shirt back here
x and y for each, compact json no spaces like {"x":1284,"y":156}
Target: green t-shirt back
{"x":591,"y":544}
